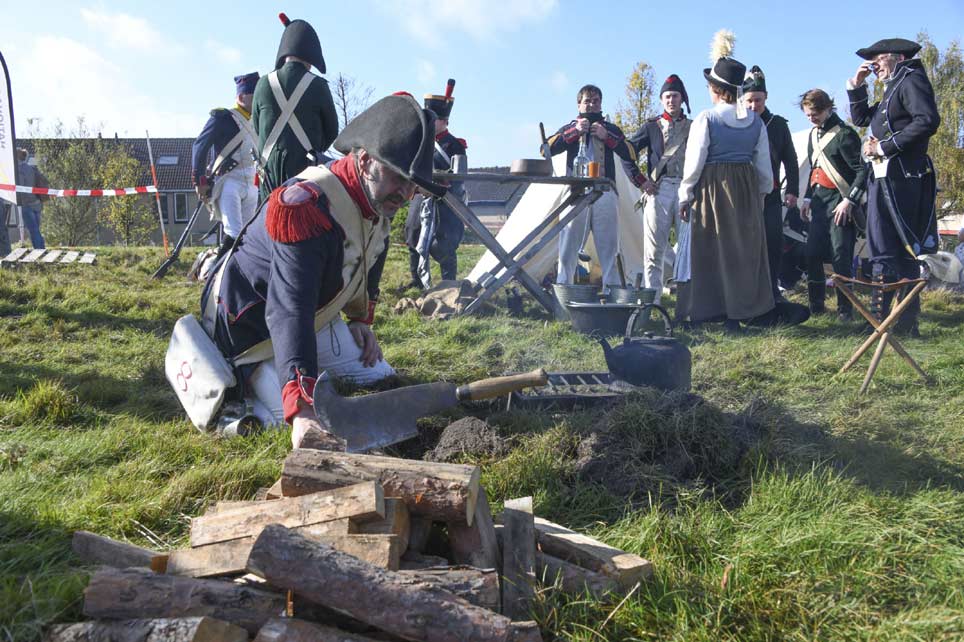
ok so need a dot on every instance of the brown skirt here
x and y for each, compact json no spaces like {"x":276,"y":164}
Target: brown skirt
{"x":729,"y":269}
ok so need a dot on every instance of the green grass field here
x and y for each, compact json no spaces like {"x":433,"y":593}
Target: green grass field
{"x":775,"y":504}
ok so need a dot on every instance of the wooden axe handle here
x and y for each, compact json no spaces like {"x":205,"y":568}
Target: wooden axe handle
{"x":497,"y":386}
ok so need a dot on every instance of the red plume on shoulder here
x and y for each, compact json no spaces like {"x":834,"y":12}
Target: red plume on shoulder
{"x":284,"y":19}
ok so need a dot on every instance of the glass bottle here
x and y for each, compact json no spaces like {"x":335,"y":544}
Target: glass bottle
{"x":580,"y":164}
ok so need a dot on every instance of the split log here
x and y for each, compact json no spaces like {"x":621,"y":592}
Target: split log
{"x":225,"y":506}
{"x":572,"y":579}
{"x":121,"y":594}
{"x":97,"y":549}
{"x":190,"y":629}
{"x":446,"y":492}
{"x":412,"y":561}
{"x":274,"y":492}
{"x":360,"y":501}
{"x":475,"y":545}
{"x":582,"y":550}
{"x":375,"y":596}
{"x":396,"y":522}
{"x":476,"y":586}
{"x":294,"y":630}
{"x":231,"y":557}
{"x":519,"y":559}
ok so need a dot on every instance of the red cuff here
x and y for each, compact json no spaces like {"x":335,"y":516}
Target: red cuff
{"x":370,"y":318}
{"x":611,"y":141}
{"x":570,"y":134}
{"x":297,"y":394}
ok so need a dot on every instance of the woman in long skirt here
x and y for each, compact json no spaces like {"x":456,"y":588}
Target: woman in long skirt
{"x":726,"y":175}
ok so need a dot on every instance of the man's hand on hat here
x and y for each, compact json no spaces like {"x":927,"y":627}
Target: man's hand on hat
{"x":865,"y":69}
{"x":599,"y":131}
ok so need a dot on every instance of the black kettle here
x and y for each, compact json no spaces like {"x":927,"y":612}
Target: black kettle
{"x":658,"y":361}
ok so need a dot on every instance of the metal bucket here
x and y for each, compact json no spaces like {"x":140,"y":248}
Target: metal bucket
{"x":566,"y":293}
{"x":619,"y":294}
{"x":607,"y":319}
{"x":647,"y":295}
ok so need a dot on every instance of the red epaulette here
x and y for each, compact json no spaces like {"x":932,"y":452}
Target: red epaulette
{"x":464,"y":144}
{"x":293,"y":222}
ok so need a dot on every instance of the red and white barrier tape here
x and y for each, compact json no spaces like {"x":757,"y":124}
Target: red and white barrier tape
{"x":46,"y":191}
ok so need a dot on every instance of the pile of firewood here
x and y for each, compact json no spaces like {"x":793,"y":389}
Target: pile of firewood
{"x":349,"y":548}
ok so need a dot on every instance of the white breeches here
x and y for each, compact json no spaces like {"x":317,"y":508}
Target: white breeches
{"x":237,"y":201}
{"x":338,"y":354}
{"x":661,"y":209}
{"x":602,"y":217}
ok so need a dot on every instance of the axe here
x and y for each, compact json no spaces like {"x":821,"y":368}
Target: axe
{"x":385,"y":418}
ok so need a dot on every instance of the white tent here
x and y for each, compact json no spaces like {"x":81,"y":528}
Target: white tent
{"x":539,"y":200}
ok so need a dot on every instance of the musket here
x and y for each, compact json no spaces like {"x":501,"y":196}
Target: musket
{"x":172,"y":259}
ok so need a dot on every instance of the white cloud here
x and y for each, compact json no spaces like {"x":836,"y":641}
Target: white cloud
{"x":424,"y":72}
{"x":61,"y":79}
{"x":125,"y":31}
{"x":479,"y":19}
{"x":223,"y":52}
{"x":558,"y":80}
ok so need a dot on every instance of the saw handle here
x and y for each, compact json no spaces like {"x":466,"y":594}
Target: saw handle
{"x":498,"y":386}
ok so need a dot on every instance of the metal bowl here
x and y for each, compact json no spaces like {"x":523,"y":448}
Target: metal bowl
{"x":566,"y":293}
{"x":607,"y":319}
{"x":531,"y":167}
{"x":619,"y":294}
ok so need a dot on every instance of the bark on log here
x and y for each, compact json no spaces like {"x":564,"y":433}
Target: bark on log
{"x":97,"y":549}
{"x":231,"y":557}
{"x":519,"y":559}
{"x":476,"y":586}
{"x":475,"y":545}
{"x":294,"y":630}
{"x":360,"y":501}
{"x":412,"y":561}
{"x":191,"y":629}
{"x":446,"y":492}
{"x":378,"y":597}
{"x":582,"y":550}
{"x":121,"y":594}
{"x":573,"y":580}
{"x":396,"y":522}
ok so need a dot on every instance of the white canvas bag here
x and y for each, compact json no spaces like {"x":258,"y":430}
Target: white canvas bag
{"x":198,"y":372}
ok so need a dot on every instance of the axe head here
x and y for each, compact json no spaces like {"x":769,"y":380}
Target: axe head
{"x":382,"y":418}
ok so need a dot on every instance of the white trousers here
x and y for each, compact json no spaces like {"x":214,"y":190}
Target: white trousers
{"x":338,"y":354}
{"x":602,"y":217}
{"x":661,"y":209}
{"x":237,"y":201}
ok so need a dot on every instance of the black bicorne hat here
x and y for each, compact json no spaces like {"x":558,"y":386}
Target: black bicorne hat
{"x":908,"y":48}
{"x":398,"y":132}
{"x":726,"y":73}
{"x":674,"y":83}
{"x":299,"y":39}
{"x":441,"y":105}
{"x":755,"y":80}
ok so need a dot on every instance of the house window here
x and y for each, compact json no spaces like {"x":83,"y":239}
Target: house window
{"x":164,"y":209}
{"x":180,"y":208}
{"x":167,"y":160}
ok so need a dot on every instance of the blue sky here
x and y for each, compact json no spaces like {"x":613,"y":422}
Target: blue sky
{"x":131,"y":66}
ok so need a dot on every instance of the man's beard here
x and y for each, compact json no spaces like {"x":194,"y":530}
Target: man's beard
{"x":391,"y":202}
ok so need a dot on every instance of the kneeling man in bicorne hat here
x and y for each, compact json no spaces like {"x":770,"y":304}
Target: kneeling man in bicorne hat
{"x":275,"y":304}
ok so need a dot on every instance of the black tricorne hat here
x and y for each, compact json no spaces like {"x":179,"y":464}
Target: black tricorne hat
{"x":755,"y":80}
{"x":908,"y":48}
{"x":398,"y":132}
{"x":299,"y":39}
{"x":441,"y":105}
{"x":726,"y":73}
{"x":675,"y":83}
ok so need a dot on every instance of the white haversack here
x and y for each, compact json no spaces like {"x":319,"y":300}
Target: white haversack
{"x":198,"y":372}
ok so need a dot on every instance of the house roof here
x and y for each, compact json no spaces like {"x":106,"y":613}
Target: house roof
{"x":172,"y":159}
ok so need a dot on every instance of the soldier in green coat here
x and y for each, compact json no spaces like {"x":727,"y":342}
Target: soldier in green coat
{"x":838,"y":177}
{"x":310,"y":122}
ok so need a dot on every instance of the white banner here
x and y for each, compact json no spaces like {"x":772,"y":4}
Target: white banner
{"x":8,"y":162}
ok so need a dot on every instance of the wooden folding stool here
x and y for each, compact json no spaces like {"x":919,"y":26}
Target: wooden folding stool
{"x":881,"y":328}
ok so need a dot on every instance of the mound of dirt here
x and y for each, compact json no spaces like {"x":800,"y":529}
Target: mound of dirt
{"x":467,"y":436}
{"x":656,"y":442}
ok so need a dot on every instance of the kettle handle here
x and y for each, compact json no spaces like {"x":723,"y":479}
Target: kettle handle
{"x":631,"y":324}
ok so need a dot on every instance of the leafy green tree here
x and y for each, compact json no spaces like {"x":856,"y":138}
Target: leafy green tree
{"x":639,"y":101}
{"x":130,"y":217}
{"x":946,"y":72}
